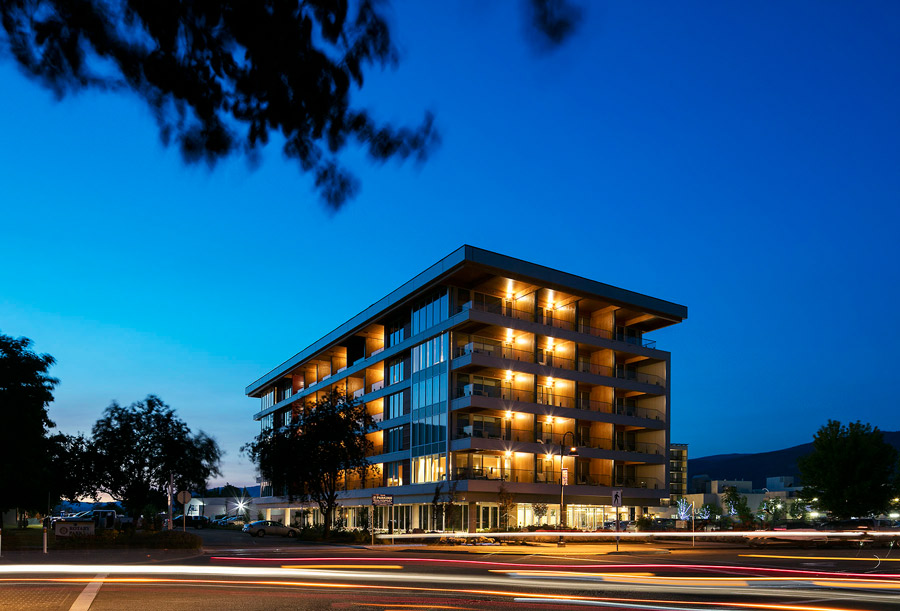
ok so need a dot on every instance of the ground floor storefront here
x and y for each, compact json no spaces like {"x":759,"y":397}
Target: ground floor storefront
{"x":459,"y":516}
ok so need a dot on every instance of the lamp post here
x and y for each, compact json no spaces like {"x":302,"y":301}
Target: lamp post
{"x":562,"y":483}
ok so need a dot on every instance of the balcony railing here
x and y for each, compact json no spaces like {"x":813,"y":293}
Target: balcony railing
{"x":498,"y":308}
{"x":528,"y":476}
{"x":553,"y":440}
{"x":504,"y":309}
{"x":635,"y":341}
{"x":639,"y":376}
{"x":494,"y":350}
{"x":588,"y":367}
{"x":638,"y":482}
{"x":544,"y":398}
{"x":638,"y":412}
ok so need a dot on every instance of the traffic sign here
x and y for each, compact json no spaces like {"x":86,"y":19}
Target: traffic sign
{"x":184,"y":497}
{"x":382,"y":500}
{"x":616,"y":498}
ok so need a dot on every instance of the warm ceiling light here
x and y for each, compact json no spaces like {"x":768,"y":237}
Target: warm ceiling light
{"x":507,"y":454}
{"x":509,"y":375}
{"x":550,"y":420}
{"x":509,"y":414}
{"x":550,"y":382}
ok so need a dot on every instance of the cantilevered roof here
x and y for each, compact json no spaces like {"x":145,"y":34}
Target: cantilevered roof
{"x":501,"y":264}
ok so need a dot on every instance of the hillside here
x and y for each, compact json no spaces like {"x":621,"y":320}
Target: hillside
{"x":757,"y":467}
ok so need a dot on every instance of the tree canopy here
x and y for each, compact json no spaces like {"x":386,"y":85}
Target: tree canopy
{"x":137,"y":447}
{"x":851,"y":472}
{"x":221,"y":77}
{"x":26,"y":390}
{"x":324,"y":443}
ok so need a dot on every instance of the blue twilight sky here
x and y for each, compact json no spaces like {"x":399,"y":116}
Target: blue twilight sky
{"x":740,"y":159}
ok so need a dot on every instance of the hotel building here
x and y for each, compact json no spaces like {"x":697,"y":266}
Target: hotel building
{"x":489,"y":374}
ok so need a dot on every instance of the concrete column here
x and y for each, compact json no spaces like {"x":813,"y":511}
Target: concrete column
{"x":473,"y":514}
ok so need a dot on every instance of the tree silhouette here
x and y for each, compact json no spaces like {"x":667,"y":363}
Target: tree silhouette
{"x":26,"y":389}
{"x":314,"y":454}
{"x":136,"y":448}
{"x":852,"y":471}
{"x":219,"y":77}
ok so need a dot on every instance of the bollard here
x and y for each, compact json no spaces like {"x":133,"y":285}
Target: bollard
{"x":45,"y":539}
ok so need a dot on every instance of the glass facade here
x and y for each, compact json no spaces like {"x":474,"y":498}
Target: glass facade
{"x":393,"y":439}
{"x":429,"y":396}
{"x":395,"y":405}
{"x":431,"y":311}
{"x":431,"y":468}
{"x":395,"y":371}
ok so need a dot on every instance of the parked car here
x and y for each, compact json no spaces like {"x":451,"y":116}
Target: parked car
{"x":192,"y":521}
{"x":81,"y":515}
{"x":261,"y":528}
{"x":232,"y":521}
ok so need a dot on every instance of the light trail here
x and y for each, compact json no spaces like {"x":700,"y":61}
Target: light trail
{"x":657,"y":580}
{"x":851,"y":558}
{"x":526,"y":566}
{"x":738,"y":534}
{"x":394,"y":567}
{"x":516,"y":596}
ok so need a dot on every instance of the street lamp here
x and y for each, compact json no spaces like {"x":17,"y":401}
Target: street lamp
{"x":572,"y":451}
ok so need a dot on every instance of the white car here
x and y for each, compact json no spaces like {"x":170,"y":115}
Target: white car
{"x":261,"y":528}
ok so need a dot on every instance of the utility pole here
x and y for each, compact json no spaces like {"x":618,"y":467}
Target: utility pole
{"x":170,"y":526}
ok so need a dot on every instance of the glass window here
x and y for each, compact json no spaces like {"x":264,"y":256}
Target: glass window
{"x":395,"y":371}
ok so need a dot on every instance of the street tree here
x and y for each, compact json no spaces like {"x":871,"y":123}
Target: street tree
{"x":71,"y":475}
{"x":324,"y":443}
{"x":26,"y":390}
{"x":852,"y":471}
{"x":771,"y":510}
{"x":221,"y":78}
{"x":507,"y":504}
{"x":735,"y":504}
{"x":137,"y":448}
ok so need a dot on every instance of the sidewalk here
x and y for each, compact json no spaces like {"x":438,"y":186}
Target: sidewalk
{"x":97,"y":556}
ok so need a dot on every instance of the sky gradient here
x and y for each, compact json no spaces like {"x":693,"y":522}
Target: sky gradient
{"x":741,"y":160}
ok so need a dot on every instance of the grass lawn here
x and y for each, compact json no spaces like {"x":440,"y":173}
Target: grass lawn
{"x":31,"y":538}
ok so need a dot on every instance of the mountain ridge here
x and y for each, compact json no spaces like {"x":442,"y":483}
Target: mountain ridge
{"x":756,"y":467}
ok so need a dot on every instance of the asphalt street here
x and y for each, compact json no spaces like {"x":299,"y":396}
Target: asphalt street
{"x":235,"y":571}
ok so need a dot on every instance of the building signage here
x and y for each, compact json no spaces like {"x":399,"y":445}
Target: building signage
{"x":72,"y":529}
{"x":565,"y":477}
{"x":382,"y":500}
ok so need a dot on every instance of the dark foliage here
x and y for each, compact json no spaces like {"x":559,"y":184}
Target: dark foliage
{"x":137,"y":447}
{"x":324,"y":443}
{"x":220,"y":77}
{"x":851,"y":470}
{"x":26,"y":389}
{"x":72,"y":474}
{"x":553,"y":20}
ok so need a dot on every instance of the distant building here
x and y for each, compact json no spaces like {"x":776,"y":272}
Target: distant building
{"x":485,"y":369}
{"x":678,"y":470}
